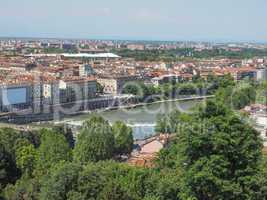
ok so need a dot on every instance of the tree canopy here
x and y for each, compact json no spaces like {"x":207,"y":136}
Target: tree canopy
{"x":218,"y":154}
{"x":214,"y":155}
{"x":95,"y":141}
{"x":123,"y":138}
{"x":53,"y":148}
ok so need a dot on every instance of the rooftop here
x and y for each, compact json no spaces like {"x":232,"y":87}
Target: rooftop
{"x":77,"y":55}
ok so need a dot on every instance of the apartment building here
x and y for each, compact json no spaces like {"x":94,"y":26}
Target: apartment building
{"x":115,"y":84}
{"x":43,"y":96}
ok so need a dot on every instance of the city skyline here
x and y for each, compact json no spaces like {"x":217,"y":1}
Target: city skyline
{"x":240,"y":21}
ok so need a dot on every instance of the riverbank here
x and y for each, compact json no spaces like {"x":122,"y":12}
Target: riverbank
{"x":141,"y":117}
{"x":147,"y":104}
{"x":168,"y":100}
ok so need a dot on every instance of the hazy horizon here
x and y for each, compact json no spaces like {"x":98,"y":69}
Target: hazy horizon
{"x":223,"y":41}
{"x":158,"y":20}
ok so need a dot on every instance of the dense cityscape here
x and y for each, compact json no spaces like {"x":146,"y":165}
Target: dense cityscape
{"x":47,"y":75}
{"x":133,"y":100}
{"x":47,"y":83}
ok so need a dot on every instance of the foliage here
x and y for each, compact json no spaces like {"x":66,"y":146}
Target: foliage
{"x":123,"y":138}
{"x":104,"y":180}
{"x":95,"y":141}
{"x":67,"y":132}
{"x":168,"y":123}
{"x":53,"y":148}
{"x":185,"y":54}
{"x":168,"y":157}
{"x":8,"y":138}
{"x":215,"y":154}
{"x":99,"y":88}
{"x":8,"y":170}
{"x":169,"y":90}
{"x":237,"y":96}
{"x":26,"y":158}
{"x":218,"y":154}
{"x":60,"y":181}
{"x":59,"y":50}
{"x":25,"y":189}
{"x":142,"y":91}
{"x":261,"y":96}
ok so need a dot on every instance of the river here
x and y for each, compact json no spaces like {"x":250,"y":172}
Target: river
{"x":141,"y":119}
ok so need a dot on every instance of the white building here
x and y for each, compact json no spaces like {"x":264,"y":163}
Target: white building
{"x":262,"y":74}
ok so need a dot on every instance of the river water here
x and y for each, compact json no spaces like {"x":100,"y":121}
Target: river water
{"x":141,"y":119}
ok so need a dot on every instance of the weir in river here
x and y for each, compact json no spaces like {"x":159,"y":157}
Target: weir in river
{"x":141,"y":119}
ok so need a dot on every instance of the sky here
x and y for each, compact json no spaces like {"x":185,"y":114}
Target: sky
{"x":200,"y":20}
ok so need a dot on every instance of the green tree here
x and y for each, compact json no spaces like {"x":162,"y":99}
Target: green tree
{"x":9,"y":138}
{"x":123,"y":138}
{"x":95,"y":141}
{"x":60,"y":181}
{"x":20,"y":143}
{"x":237,"y":96}
{"x":8,"y":170}
{"x":91,"y":182}
{"x":219,"y":155}
{"x":168,"y":123}
{"x":226,"y":81}
{"x":163,"y":124}
{"x":53,"y":148}
{"x":162,"y":185}
{"x":261,"y":96}
{"x":129,"y":182}
{"x":113,"y":191}
{"x":243,"y":95}
{"x":168,"y":157}
{"x":25,"y":189}
{"x":10,"y":142}
{"x":67,"y":132}
{"x":26,"y":157}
